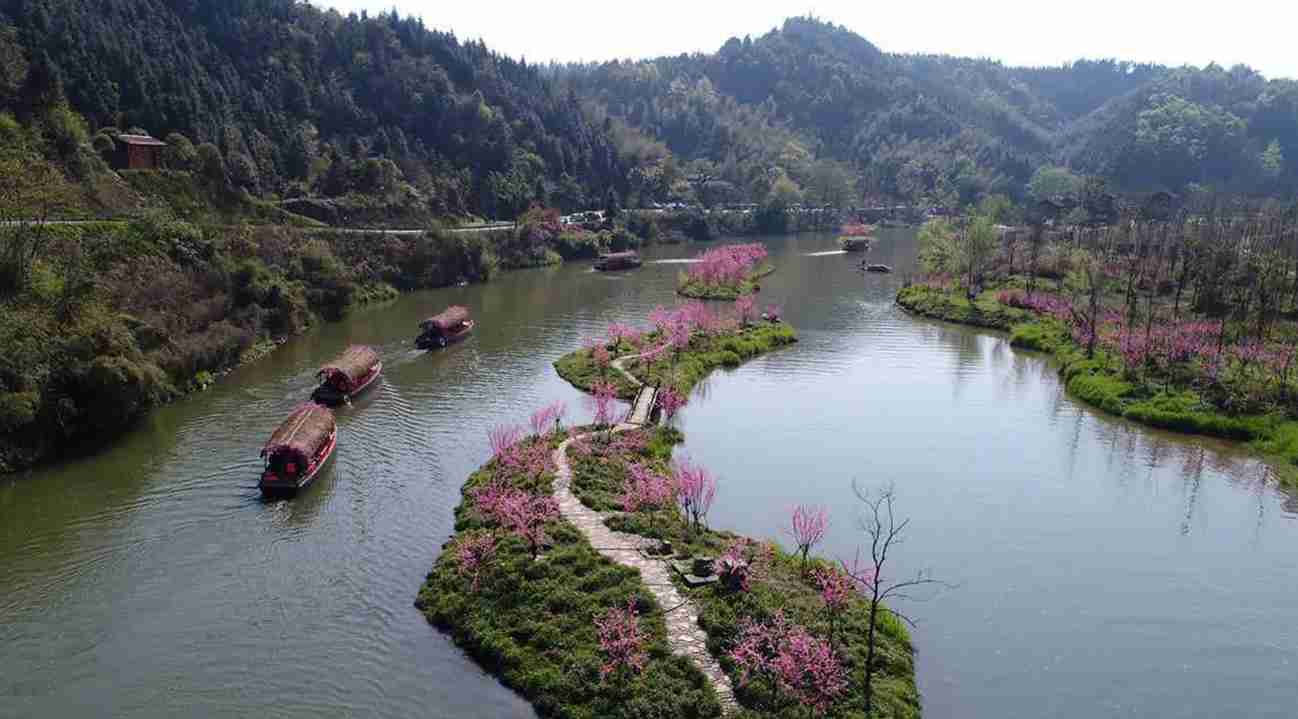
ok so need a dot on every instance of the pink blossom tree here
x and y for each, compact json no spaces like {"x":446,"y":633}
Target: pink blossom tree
{"x":474,"y":554}
{"x":518,"y":511}
{"x":602,"y":401}
{"x":503,"y":439}
{"x":670,"y":402}
{"x":743,"y":563}
{"x":745,"y":306}
{"x":697,"y":489}
{"x":802,"y":667}
{"x":808,"y":525}
{"x":548,"y":418}
{"x":837,"y":588}
{"x":622,"y":641}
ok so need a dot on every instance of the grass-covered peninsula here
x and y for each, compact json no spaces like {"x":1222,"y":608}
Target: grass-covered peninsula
{"x":578,"y":634}
{"x":725,"y":273}
{"x":684,"y":346}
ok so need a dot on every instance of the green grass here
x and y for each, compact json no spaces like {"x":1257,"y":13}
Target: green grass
{"x":701,"y":291}
{"x":786,"y":588}
{"x":531,"y":624}
{"x":1100,"y":382}
{"x":704,"y":355}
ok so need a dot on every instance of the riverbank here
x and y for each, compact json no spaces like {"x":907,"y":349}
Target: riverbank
{"x":649,"y":360}
{"x":118,"y":318}
{"x":1103,"y":382}
{"x":533,"y":623}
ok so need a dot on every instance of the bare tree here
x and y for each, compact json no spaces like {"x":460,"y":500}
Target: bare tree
{"x":879,"y":522}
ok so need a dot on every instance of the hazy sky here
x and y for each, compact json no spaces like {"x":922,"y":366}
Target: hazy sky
{"x":1259,"y":33}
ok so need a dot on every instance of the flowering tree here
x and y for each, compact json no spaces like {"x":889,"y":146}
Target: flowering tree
{"x":774,"y":313}
{"x":646,"y":490}
{"x":836,"y":591}
{"x":745,"y":306}
{"x":670,"y":402}
{"x":804,"y":668}
{"x":602,"y":401}
{"x":743,"y":563}
{"x":697,"y":489}
{"x":600,"y":355}
{"x":808,"y":528}
{"x":503,"y":439}
{"x":518,"y":511}
{"x":729,"y":265}
{"x":622,"y":641}
{"x":473,"y":555}
{"x":548,"y":418}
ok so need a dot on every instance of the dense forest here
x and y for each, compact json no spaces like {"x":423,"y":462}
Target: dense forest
{"x":808,"y":108}
{"x":284,"y":100}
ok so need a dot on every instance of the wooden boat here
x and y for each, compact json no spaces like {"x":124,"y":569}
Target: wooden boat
{"x":348,"y":375}
{"x":856,"y":237}
{"x":451,"y":326}
{"x":298,"y":450}
{"x":618,"y":261}
{"x":854,"y":244}
{"x":882,"y":269}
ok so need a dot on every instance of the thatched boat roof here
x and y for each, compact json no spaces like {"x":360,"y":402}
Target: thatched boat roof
{"x":305,"y":431}
{"x":627,"y":255}
{"x":354,"y":363}
{"x":450,"y":318}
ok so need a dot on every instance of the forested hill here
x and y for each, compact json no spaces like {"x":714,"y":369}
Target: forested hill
{"x":800,"y":108}
{"x":307,"y":102}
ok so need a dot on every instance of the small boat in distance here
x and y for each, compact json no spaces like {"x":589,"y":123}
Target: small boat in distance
{"x":298,"y":450}
{"x":349,"y":374}
{"x":451,"y":326}
{"x":618,"y":261}
{"x":856,"y":238}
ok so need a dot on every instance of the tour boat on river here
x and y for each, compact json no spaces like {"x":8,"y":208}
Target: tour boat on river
{"x":299,"y":449}
{"x":618,"y":261}
{"x":348,"y":375}
{"x":451,"y":326}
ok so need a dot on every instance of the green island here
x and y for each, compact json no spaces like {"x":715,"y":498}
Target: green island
{"x":534,"y":609}
{"x":725,"y":273}
{"x":652,"y":357}
{"x":1148,"y":332}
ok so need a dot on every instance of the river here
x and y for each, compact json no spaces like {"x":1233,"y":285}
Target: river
{"x":1096,"y":568}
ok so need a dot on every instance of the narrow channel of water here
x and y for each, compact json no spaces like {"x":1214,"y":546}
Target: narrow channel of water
{"x":1101,"y":568}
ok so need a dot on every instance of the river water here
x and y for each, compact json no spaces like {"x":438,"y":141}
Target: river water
{"x":1095,"y":568}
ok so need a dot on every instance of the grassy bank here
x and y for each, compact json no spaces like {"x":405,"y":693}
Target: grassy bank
{"x":1104,"y":382}
{"x":705,"y":353}
{"x":778,"y":582}
{"x":531,"y":622}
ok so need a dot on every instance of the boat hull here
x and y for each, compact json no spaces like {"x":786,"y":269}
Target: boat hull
{"x":331,"y":397}
{"x":433,"y":342}
{"x":282,"y":487}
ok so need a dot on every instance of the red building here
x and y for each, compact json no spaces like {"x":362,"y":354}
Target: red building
{"x":138,"y":152}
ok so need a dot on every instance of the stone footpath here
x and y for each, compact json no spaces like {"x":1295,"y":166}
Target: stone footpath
{"x":683,"y":633}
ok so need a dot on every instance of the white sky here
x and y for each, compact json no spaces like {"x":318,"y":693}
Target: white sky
{"x":1258,"y":33}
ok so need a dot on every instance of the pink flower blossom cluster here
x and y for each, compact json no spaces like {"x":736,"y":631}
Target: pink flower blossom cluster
{"x":622,"y":640}
{"x":548,"y":418}
{"x":808,"y":527}
{"x":618,"y":332}
{"x":518,"y":511}
{"x":1044,"y":303}
{"x":745,"y":308}
{"x":836,"y":588}
{"x":515,"y":456}
{"x":670,"y":402}
{"x":802,"y":666}
{"x":696,"y":489}
{"x":646,"y":489}
{"x":627,"y":443}
{"x":473,"y":555}
{"x":729,"y":265}
{"x":743,"y":563}
{"x":602,"y":402}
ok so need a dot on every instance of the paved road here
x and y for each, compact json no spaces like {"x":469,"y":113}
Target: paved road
{"x":488,"y":227}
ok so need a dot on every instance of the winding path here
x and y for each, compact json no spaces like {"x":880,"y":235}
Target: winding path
{"x":682,"y":617}
{"x":683,"y":633}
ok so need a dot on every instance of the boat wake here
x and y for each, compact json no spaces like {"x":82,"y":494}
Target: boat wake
{"x":680,"y":261}
{"x":827,"y":253}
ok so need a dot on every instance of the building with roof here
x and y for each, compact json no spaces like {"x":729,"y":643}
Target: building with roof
{"x":138,"y":152}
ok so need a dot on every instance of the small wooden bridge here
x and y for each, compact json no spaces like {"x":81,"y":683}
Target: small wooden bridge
{"x":643,"y":407}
